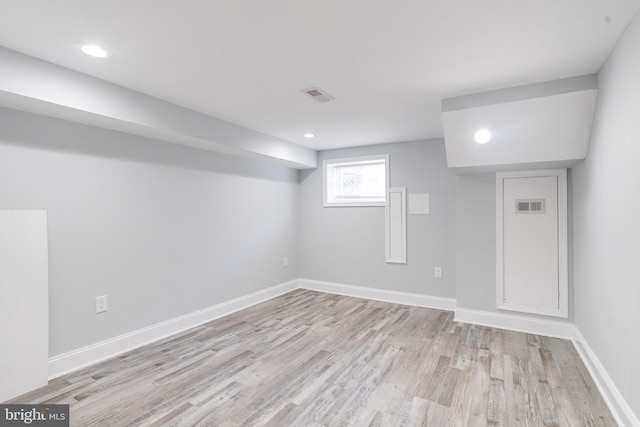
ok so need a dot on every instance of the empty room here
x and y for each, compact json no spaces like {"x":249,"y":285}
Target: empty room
{"x":333,"y":213}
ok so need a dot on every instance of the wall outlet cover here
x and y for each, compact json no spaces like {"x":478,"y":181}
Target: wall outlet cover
{"x":101,"y":304}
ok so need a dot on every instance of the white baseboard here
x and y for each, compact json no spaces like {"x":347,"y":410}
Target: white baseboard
{"x":68,"y":362}
{"x":512,"y":322}
{"x":89,"y":355}
{"x":385,"y":295}
{"x":617,"y":404}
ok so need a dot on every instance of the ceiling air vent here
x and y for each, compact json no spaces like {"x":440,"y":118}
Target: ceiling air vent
{"x":318,"y":94}
{"x":535,"y":206}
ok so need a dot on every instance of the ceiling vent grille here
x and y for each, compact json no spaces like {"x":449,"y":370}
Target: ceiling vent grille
{"x":318,"y":94}
{"x":535,"y":206}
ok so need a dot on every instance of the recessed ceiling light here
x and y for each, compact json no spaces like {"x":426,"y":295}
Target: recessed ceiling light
{"x":94,"y":50}
{"x":308,"y":135}
{"x":482,"y":136}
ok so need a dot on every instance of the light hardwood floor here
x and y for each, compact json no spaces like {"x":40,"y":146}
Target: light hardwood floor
{"x":314,"y":359}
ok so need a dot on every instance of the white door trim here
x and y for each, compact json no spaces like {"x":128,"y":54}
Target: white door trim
{"x":563,"y":249}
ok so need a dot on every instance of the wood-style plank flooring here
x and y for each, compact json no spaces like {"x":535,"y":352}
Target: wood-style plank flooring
{"x":314,"y":359}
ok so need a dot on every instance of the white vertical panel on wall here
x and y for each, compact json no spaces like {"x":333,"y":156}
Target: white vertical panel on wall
{"x":396,"y":226}
{"x":24,"y":311}
{"x":532,"y":242}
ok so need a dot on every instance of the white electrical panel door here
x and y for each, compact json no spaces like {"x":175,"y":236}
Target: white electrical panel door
{"x":24,"y":313}
{"x":532,"y":243}
{"x":396,"y":226}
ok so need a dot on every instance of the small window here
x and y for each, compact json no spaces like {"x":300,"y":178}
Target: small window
{"x":358,"y":181}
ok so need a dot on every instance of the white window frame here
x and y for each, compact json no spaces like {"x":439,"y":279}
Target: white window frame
{"x":326,"y":164}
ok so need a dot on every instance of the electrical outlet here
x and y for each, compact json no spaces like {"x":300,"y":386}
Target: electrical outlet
{"x":101,"y":304}
{"x":437,"y":272}
{"x":285,"y":262}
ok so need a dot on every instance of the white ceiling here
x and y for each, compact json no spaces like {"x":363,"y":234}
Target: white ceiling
{"x":388,"y":63}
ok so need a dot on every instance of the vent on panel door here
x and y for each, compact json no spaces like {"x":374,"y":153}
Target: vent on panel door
{"x":535,"y":206}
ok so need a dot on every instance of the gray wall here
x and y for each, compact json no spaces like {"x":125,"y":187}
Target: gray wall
{"x":476,"y":242}
{"x":163,"y":230}
{"x":346,"y":244}
{"x":606,"y":221}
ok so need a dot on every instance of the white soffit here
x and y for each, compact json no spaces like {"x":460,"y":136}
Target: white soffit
{"x":40,"y":87}
{"x":539,"y":125}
